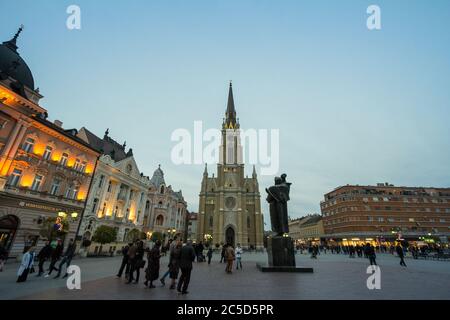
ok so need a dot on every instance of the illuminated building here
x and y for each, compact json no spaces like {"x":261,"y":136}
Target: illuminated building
{"x":44,"y":169}
{"x":166,"y":210}
{"x":380,"y":214}
{"x":119,"y":193}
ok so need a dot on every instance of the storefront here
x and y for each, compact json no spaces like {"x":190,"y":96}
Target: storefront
{"x":26,"y":222}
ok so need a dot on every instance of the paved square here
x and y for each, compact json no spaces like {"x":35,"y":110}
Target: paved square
{"x":334,"y":277}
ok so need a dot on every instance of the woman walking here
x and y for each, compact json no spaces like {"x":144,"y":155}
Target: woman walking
{"x":174,"y":263}
{"x":27,"y":265}
{"x":153,"y":264}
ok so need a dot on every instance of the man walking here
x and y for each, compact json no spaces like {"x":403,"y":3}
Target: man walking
{"x":67,"y":259}
{"x":229,"y":257}
{"x":125,"y":262}
{"x":56,"y":254}
{"x":209,"y":254}
{"x":370,"y":253}
{"x":400,"y":254}
{"x":238,"y":256}
{"x":43,"y":255}
{"x":187,"y":256}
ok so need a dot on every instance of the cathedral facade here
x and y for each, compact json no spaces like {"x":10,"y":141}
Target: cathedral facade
{"x":230,"y":204}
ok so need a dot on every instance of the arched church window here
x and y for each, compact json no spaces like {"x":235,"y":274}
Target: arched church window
{"x":211,"y":222}
{"x":248,"y":222}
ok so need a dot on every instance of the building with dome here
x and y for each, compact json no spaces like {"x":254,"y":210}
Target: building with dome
{"x":166,"y":209}
{"x":45,"y":170}
{"x":230,"y":206}
{"x":119,"y":192}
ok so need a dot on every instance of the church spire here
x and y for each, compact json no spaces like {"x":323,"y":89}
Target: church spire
{"x":230,"y":114}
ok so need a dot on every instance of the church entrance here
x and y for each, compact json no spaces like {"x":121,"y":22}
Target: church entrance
{"x":229,"y":236}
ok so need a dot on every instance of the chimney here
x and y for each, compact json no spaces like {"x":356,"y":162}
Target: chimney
{"x":58,"y":123}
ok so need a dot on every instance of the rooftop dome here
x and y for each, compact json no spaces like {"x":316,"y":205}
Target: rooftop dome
{"x":158,"y":177}
{"x":11,"y":64}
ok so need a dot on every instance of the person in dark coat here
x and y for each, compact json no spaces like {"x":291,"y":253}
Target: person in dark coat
{"x":3,"y":256}
{"x":153,"y":256}
{"x":125,"y":262}
{"x":370,"y":253}
{"x":67,"y":259}
{"x":174,"y":263}
{"x":187,"y":256}
{"x":56,"y":254}
{"x":401,"y":254}
{"x":43,"y":255}
{"x":137,"y":261}
{"x":222,"y":254}
{"x":209,"y":254}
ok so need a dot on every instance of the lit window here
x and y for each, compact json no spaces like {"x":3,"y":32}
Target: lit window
{"x":102,"y":178}
{"x":37,"y":182}
{"x":94,"y":205}
{"x":47,"y":152}
{"x":64,"y":158}
{"x":411,"y":219}
{"x":28,"y":145}
{"x":55,"y":186}
{"x":83,"y":166}
{"x":77,"y":165}
{"x":14,"y":178}
{"x":380,"y":219}
{"x":375,"y":199}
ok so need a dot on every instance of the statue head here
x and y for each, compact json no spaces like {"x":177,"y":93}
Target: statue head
{"x":278,"y":180}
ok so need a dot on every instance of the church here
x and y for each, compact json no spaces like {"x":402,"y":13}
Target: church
{"x":230,"y":205}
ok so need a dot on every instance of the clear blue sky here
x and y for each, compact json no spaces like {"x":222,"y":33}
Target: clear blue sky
{"x":353,"y":106}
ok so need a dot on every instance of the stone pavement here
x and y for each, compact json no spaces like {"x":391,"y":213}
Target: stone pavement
{"x":334,"y":277}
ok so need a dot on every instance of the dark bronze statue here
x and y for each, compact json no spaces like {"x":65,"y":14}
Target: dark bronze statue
{"x":278,"y":196}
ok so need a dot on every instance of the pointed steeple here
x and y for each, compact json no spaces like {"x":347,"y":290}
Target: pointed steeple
{"x":230,"y":114}
{"x":12,"y":44}
{"x":254,"y":172}
{"x":205,"y":172}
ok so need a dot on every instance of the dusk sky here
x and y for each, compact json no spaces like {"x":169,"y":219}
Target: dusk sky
{"x":353,"y":106}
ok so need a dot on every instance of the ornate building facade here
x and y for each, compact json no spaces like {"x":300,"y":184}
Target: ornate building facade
{"x":166,"y":210}
{"x":119,"y":193}
{"x":230,"y":205}
{"x":45,"y":170}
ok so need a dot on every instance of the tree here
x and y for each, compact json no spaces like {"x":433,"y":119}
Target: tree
{"x":156,"y":236}
{"x":133,"y":235}
{"x":50,"y":231}
{"x":103,"y":235}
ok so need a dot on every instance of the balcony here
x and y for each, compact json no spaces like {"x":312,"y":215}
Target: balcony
{"x":43,"y":195}
{"x":35,"y":159}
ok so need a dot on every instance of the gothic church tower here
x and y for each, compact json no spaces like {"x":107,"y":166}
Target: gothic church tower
{"x":230,"y":205}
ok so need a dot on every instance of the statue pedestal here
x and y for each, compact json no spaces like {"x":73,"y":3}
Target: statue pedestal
{"x":281,"y":254}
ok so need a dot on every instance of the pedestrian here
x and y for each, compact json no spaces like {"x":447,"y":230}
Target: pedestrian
{"x":153,"y":257}
{"x":167,"y":273}
{"x":370,"y":253}
{"x":43,"y":255}
{"x":230,"y":257}
{"x":174,"y":263}
{"x":199,"y":252}
{"x":67,"y":258}
{"x":187,"y":256}
{"x":125,"y":262}
{"x":3,"y":256}
{"x":238,"y":256}
{"x":209,"y":254}
{"x":222,"y":254}
{"x":136,"y":261}
{"x":57,"y":249}
{"x":401,"y":254}
{"x":26,"y":266}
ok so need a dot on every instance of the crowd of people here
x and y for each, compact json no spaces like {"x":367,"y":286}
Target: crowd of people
{"x":179,"y":268}
{"x":52,"y":251}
